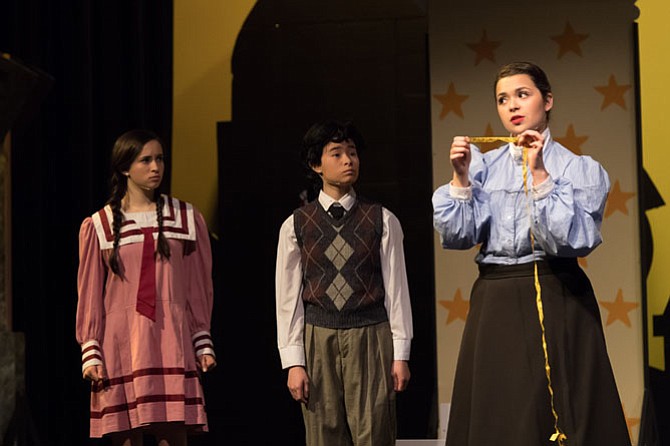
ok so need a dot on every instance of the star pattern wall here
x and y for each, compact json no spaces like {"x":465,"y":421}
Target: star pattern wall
{"x":618,"y":309}
{"x":571,"y":140}
{"x":612,"y":93}
{"x":484,"y":49}
{"x":457,"y":308}
{"x":451,"y":101}
{"x":617,"y":199}
{"x":569,"y":41}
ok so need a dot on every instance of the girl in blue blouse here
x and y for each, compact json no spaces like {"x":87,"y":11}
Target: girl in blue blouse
{"x":501,"y":388}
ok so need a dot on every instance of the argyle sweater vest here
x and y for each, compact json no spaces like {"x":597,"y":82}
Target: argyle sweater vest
{"x":342,"y":284}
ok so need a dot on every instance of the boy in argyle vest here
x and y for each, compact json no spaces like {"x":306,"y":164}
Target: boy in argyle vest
{"x":344,"y":320}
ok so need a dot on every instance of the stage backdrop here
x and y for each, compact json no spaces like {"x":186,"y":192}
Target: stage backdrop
{"x":588,"y":51}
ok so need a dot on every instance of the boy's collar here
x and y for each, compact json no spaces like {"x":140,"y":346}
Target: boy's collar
{"x":347,"y":200}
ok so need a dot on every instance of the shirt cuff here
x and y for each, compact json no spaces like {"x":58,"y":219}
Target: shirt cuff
{"x":202,"y":344}
{"x":543,"y":189}
{"x":401,"y":349}
{"x":461,"y":193}
{"x":91,"y":354}
{"x":292,"y":355}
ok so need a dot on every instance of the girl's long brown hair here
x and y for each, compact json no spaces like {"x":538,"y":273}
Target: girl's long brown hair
{"x":126,"y":149}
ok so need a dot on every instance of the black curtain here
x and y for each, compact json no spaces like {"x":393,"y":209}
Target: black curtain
{"x":111,"y":65}
{"x":295,"y":62}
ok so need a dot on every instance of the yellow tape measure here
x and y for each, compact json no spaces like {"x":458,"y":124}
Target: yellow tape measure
{"x":558,"y":436}
{"x":480,"y":139}
{"x":490,"y":139}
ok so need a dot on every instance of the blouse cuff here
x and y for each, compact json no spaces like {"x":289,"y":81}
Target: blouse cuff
{"x":461,"y":193}
{"x":543,"y":189}
{"x":202,"y":343}
{"x":90,"y":355}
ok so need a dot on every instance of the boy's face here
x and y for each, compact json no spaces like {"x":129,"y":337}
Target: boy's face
{"x":339,"y":167}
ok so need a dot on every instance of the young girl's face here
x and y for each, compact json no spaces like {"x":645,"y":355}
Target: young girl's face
{"x":521,"y":105}
{"x":146,"y":171}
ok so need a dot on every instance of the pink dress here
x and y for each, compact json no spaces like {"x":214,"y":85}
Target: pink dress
{"x":150,"y":366}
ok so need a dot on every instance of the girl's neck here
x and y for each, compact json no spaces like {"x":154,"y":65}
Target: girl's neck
{"x":139,"y":201}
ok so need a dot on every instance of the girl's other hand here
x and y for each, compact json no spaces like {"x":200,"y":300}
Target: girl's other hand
{"x":460,"y":157}
{"x":534,"y":142}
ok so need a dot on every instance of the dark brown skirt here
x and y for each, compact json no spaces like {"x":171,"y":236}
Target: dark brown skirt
{"x":501,"y":394}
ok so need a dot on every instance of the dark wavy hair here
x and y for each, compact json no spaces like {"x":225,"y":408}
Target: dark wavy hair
{"x":126,"y":149}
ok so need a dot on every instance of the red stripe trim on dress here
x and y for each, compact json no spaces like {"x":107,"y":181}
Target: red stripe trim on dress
{"x":170,"y":214}
{"x":183,"y":227}
{"x":156,"y":371}
{"x":197,"y":401}
{"x":109,"y":235}
{"x":105,"y":225}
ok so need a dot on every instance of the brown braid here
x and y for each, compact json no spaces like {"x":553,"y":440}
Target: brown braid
{"x":163,"y":246}
{"x":118,"y":191}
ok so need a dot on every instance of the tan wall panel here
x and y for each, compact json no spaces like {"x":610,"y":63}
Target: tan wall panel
{"x":204,"y":37}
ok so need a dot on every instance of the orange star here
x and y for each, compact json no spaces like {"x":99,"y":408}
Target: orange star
{"x":572,"y":141}
{"x":613,"y":93}
{"x":616,"y":201}
{"x":618,"y":310}
{"x":458,"y":308}
{"x":451,"y":101}
{"x":484,"y":48}
{"x":569,"y":41}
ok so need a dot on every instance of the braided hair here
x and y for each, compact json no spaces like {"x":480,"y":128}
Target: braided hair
{"x":126,"y":149}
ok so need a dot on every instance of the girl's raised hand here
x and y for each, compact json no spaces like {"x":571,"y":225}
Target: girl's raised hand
{"x":534,"y":142}
{"x":460,"y":157}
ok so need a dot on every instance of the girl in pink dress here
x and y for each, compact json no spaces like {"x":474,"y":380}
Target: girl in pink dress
{"x":145,"y":304}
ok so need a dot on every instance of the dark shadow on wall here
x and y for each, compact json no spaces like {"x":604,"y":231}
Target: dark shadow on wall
{"x":296,"y":62}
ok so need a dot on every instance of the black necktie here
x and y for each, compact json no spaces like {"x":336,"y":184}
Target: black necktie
{"x":336,"y":210}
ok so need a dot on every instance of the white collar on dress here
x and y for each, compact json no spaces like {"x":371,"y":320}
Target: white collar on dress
{"x":178,"y":223}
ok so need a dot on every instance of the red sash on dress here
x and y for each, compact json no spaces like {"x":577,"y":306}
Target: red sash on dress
{"x":146,"y":291}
